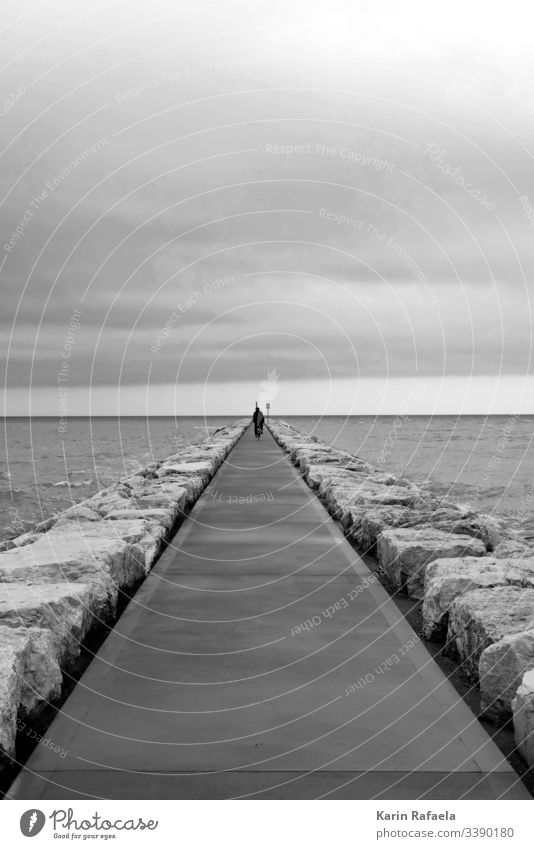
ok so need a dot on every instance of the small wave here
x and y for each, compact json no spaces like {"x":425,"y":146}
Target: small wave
{"x":68,"y":483}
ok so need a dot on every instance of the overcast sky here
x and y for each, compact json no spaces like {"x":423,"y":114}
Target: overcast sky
{"x":335,"y":192}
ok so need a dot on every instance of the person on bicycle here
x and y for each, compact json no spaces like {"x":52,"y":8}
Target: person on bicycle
{"x":258,"y":420}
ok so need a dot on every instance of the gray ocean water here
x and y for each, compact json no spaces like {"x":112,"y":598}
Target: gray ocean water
{"x":486,"y":462}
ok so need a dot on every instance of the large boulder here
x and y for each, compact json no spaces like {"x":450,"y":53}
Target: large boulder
{"x":161,"y":518}
{"x":126,"y":529}
{"x":80,"y":513}
{"x":29,"y":677}
{"x":214,"y":451}
{"x":404,"y":554}
{"x":76,"y":554}
{"x":130,"y":535}
{"x":171,"y":494}
{"x":351,"y":522}
{"x":343,"y":495}
{"x":446,"y":579}
{"x":202,"y":468}
{"x":192,"y":484}
{"x":365,"y":527}
{"x":481,"y":617}
{"x":501,"y":668}
{"x":513,"y":546}
{"x":321,"y":455}
{"x":66,"y":610}
{"x":374,"y":493}
{"x":105,"y":502}
{"x":24,"y":539}
{"x":523,"y":709}
{"x":166,"y":493}
{"x":323,"y":475}
{"x":363,"y":524}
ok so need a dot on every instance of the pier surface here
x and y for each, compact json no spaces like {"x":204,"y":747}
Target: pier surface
{"x":261,"y":659}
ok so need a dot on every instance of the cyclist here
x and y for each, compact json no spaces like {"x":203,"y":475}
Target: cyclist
{"x":258,"y":420}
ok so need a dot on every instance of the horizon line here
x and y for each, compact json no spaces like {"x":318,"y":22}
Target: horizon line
{"x":277,"y":416}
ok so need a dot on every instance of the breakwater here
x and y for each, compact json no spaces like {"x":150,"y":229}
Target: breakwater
{"x":65,"y":577}
{"x":473,"y":575}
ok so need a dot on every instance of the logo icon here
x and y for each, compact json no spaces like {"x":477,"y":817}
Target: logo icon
{"x":31,"y":822}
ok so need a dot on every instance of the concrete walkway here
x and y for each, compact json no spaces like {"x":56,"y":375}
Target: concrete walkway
{"x":208,"y":687}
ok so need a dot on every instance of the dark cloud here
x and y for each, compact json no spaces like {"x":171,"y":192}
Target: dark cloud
{"x":341,"y":183}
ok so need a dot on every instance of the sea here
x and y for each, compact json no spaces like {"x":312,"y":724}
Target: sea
{"x":486,"y":462}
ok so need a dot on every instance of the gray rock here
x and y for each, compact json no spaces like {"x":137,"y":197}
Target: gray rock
{"x":65,"y":610}
{"x":203,"y":468}
{"x":81,"y":513}
{"x":425,"y":512}
{"x":446,"y":579}
{"x":513,"y":546}
{"x":121,"y":547}
{"x":76,"y":555}
{"x":344,"y":494}
{"x":501,"y":668}
{"x":404,"y":554}
{"x":481,"y":617}
{"x":29,"y":677}
{"x":25,"y":539}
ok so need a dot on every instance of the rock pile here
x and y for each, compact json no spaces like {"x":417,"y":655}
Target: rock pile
{"x":64,"y":577}
{"x":475,"y":577}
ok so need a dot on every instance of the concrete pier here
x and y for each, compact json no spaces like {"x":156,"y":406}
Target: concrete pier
{"x":261,"y":659}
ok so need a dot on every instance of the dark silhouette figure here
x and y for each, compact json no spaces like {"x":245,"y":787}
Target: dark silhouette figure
{"x":258,"y":419}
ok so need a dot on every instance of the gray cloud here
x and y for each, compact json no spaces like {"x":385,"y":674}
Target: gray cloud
{"x":146,"y":158}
